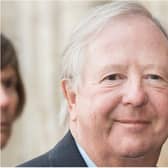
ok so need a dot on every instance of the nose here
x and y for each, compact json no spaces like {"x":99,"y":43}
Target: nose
{"x":4,"y":98}
{"x":134,"y":94}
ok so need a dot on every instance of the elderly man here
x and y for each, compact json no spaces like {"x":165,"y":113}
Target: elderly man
{"x":115,"y":81}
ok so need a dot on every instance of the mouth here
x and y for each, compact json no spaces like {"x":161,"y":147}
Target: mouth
{"x":132,"y":121}
{"x":4,"y":126}
{"x":136,"y":125}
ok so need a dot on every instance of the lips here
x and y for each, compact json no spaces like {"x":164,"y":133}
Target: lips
{"x":5,"y":126}
{"x":132,"y":125}
{"x":133,"y":121}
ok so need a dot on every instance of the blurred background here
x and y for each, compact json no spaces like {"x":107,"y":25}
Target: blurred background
{"x":40,"y":30}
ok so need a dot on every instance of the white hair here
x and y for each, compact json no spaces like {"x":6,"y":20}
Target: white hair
{"x":74,"y":55}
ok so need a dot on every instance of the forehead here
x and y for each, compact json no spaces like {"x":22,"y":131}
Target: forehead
{"x":129,"y":38}
{"x":129,"y":26}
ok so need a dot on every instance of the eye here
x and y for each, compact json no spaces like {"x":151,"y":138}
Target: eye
{"x":153,"y":77}
{"x":156,"y":80}
{"x":9,"y":84}
{"x":113,"y":77}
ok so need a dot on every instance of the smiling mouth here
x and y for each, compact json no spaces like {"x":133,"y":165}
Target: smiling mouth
{"x":132,"y":121}
{"x":135,"y":125}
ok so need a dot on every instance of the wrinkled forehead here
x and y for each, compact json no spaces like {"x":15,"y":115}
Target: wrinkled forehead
{"x":129,"y":26}
{"x":130,"y":30}
{"x":126,"y":40}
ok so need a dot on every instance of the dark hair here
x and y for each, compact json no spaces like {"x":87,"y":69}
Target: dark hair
{"x":9,"y":58}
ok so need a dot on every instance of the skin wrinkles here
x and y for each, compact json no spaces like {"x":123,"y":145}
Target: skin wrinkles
{"x":124,"y":117}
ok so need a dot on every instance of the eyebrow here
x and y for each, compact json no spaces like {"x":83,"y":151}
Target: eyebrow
{"x":124,"y":68}
{"x":162,"y":69}
{"x":11,"y":78}
{"x":7,"y":76}
{"x":114,"y":67}
{"x":155,"y":66}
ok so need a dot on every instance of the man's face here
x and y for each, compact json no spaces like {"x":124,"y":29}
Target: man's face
{"x":8,"y":102}
{"x":121,"y":108}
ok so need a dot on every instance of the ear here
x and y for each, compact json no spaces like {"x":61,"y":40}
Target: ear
{"x":70,"y":96}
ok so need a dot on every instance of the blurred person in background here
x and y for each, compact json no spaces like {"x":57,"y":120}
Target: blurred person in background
{"x":12,"y":94}
{"x":115,"y":82}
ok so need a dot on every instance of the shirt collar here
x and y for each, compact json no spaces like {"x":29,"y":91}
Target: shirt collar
{"x":86,"y":158}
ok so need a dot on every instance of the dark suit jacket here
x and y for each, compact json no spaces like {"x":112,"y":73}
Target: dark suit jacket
{"x":64,"y":154}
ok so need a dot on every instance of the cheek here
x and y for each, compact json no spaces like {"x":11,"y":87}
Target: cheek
{"x":159,"y":102}
{"x":106,"y":104}
{"x":97,"y":106}
{"x":14,"y":101}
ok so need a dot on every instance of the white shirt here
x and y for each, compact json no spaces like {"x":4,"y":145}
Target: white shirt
{"x":86,"y":158}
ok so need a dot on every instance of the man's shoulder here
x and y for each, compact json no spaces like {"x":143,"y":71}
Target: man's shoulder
{"x":40,"y":161}
{"x":64,"y":154}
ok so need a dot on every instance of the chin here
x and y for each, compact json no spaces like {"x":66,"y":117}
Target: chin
{"x":3,"y":143}
{"x":134,"y":151}
{"x":134,"y":154}
{"x":4,"y":139}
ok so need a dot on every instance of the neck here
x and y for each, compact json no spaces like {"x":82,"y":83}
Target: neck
{"x":102,"y":156}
